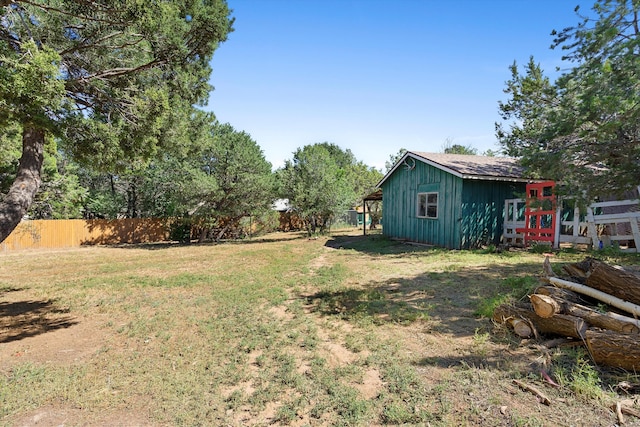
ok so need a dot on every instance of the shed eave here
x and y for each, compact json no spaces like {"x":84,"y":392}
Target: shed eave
{"x":415,"y":156}
{"x":423,"y":160}
{"x":500,"y":178}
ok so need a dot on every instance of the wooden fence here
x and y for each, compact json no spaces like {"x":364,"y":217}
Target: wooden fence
{"x":604,"y":224}
{"x":36,"y":234}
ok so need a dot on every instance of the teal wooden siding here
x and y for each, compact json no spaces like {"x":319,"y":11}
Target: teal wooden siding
{"x":483,"y":210}
{"x":400,"y":193}
{"x":470,"y":212}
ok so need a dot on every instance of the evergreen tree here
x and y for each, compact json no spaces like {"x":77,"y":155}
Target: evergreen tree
{"x":322,"y":181}
{"x":103,"y":75}
{"x":230,"y":179}
{"x":583,"y":129}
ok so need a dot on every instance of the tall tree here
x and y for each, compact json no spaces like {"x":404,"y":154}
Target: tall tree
{"x":460,"y":149}
{"x":449,"y":147}
{"x":322,"y":181}
{"x":582,"y":130}
{"x":315,"y":185}
{"x":393,"y":159}
{"x":100,"y":74}
{"x":231,"y":179}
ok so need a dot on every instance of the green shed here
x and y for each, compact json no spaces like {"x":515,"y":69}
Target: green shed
{"x":450,"y":200}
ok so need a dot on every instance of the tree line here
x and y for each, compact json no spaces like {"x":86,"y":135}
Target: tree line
{"x":100,"y":116}
{"x":214,"y":178}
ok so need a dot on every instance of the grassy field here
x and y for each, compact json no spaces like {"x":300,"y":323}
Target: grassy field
{"x":283,"y":330}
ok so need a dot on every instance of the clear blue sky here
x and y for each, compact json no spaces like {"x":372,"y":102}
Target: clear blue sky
{"x":375,"y":76}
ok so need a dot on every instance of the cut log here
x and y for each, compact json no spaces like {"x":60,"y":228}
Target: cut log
{"x":521,"y":328}
{"x":630,"y":411}
{"x":561,"y":324}
{"x":599,"y":295}
{"x":611,"y":280}
{"x":575,"y":272}
{"x":601,"y":320}
{"x":510,"y":315}
{"x":544,"y":305}
{"x":559,"y":293}
{"x":547,"y":306}
{"x":614,"y":349}
{"x":623,"y":318}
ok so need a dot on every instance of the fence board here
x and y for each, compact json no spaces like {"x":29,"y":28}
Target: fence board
{"x":35,"y":234}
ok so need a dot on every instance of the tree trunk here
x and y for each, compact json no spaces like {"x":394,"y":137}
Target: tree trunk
{"x":613,"y":281}
{"x":132,"y":199}
{"x":24,"y":188}
{"x":204,"y":231}
{"x":613,"y":349}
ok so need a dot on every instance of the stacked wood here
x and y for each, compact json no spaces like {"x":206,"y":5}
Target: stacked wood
{"x":574,"y":310}
{"x":548,"y":306}
{"x":608,"y":279}
{"x":563,"y":325}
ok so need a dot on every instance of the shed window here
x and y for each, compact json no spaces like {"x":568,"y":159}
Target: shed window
{"x":428,"y":205}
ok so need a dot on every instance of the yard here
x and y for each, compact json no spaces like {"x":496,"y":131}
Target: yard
{"x":283,"y":330}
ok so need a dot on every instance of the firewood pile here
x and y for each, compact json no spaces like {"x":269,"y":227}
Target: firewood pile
{"x":598,"y":308}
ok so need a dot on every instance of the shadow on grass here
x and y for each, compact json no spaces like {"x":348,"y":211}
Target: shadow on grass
{"x":448,"y":300}
{"x":167,"y":245}
{"x":375,"y":244}
{"x":490,"y":360}
{"x":23,"y":319}
{"x":372,"y":303}
{"x":443,"y":304}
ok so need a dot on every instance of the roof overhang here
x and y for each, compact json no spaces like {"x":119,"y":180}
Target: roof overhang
{"x":376,"y":195}
{"x":408,"y":161}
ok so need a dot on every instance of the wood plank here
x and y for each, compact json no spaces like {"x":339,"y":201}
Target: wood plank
{"x":612,"y":203}
{"x":636,"y":233}
{"x":592,"y":232}
{"x":615,"y":218}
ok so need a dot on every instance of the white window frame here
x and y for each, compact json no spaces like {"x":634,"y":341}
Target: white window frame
{"x":428,"y":204}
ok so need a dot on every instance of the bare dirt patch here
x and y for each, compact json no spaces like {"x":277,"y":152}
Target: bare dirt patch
{"x":41,"y":331}
{"x":52,"y":416}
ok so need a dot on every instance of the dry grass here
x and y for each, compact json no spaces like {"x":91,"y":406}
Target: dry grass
{"x":284,"y":330}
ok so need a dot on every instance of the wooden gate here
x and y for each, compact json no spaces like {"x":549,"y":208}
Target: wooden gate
{"x":540,"y":213}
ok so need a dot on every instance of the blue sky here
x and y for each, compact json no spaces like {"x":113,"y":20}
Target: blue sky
{"x":375,"y":76}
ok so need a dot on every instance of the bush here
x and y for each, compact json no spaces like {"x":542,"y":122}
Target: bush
{"x":180,"y":230}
